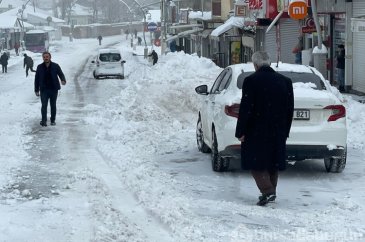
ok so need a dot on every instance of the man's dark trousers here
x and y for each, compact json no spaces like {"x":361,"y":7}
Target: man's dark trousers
{"x":27,"y":70}
{"x":50,"y":95}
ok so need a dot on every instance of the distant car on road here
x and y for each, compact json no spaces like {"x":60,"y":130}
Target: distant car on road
{"x":318,"y":130}
{"x":108,"y":63}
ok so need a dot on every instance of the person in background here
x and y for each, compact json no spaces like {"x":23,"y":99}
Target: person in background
{"x":100,"y":38}
{"x":135,"y":33}
{"x":16,"y":47}
{"x":28,"y":64}
{"x":139,"y":40}
{"x":297,"y":51}
{"x":340,"y":66}
{"x":154,"y":56}
{"x":4,"y":62}
{"x":47,"y":84}
{"x":263,"y":124}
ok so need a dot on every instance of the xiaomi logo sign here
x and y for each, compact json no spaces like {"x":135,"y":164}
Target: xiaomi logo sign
{"x":298,"y":9}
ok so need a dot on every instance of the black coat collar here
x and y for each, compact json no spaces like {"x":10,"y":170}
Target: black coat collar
{"x":265,"y":69}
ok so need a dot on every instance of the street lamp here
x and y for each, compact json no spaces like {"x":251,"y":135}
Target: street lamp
{"x":21,"y":16}
{"x":144,"y":20}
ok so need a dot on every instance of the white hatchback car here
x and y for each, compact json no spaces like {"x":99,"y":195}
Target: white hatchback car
{"x":319,"y":125}
{"x":108,"y":63}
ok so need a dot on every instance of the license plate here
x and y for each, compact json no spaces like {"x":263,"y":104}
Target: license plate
{"x":301,"y":114}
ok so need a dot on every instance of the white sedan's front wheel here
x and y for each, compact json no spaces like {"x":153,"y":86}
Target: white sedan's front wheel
{"x":202,"y":146}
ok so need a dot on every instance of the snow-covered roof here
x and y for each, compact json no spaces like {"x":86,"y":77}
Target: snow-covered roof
{"x":79,"y":10}
{"x":9,"y":19}
{"x":13,"y":3}
{"x":43,"y":16}
{"x":7,"y":22}
{"x":35,"y":31}
{"x":109,"y":50}
{"x":200,"y":15}
{"x":238,"y":22}
{"x":182,"y":34}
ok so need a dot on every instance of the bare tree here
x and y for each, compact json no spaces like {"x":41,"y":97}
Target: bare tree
{"x":65,"y":8}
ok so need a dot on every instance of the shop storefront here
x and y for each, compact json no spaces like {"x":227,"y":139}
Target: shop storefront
{"x":358,"y":31}
{"x":282,"y":39}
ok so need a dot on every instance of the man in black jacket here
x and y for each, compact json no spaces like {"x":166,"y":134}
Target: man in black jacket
{"x":154,"y":57}
{"x":263,"y":125}
{"x":28,"y":64}
{"x":4,"y":62}
{"x":47,"y":84}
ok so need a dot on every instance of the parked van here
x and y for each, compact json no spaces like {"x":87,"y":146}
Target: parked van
{"x":108,"y":63}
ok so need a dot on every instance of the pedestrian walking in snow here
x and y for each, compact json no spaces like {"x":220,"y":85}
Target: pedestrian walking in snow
{"x":16,"y":47}
{"x":4,"y":62}
{"x":47,"y":84}
{"x":154,"y":56}
{"x":263,"y":125}
{"x":28,"y":64}
{"x":100,"y":38}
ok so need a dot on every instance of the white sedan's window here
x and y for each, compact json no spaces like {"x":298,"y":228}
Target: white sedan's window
{"x":110,"y":57}
{"x":294,"y":76}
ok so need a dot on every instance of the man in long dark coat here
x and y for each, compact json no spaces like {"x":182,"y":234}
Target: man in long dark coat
{"x":263,"y":125}
{"x":4,"y":62}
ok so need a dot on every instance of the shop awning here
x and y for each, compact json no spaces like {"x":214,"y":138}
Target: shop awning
{"x":182,"y":34}
{"x":206,"y":33}
{"x":182,"y":26}
{"x":232,"y":22}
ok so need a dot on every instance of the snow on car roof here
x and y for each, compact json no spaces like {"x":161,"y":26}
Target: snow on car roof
{"x":249,"y":67}
{"x":109,"y":51}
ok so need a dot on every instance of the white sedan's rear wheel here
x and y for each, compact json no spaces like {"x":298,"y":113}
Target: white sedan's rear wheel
{"x":219,"y":164}
{"x":336,"y":165}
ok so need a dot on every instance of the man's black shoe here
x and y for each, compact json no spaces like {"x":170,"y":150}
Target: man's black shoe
{"x":53,"y":123}
{"x":44,"y":124}
{"x":270,"y":197}
{"x":266,"y":198}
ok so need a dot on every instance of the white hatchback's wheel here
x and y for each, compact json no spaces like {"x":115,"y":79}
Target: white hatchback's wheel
{"x":202,"y":146}
{"x":218,"y":162}
{"x":336,"y":165}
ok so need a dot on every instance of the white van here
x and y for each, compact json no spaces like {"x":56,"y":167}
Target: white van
{"x":108,"y":63}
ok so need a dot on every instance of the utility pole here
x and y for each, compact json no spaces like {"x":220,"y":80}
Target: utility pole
{"x":164,"y":27}
{"x":22,"y":12}
{"x":202,"y":8}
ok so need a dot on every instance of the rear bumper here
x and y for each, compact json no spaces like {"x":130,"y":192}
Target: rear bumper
{"x":293,"y":152}
{"x":301,"y":152}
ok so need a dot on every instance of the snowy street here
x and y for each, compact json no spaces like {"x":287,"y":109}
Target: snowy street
{"x":122,"y":164}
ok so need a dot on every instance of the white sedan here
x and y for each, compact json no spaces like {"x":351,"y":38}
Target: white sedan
{"x":319,"y":125}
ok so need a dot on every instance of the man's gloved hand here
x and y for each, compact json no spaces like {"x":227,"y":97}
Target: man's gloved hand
{"x":37,"y":94}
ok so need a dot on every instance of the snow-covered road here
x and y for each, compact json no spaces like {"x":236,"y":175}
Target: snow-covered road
{"x":122,"y":165}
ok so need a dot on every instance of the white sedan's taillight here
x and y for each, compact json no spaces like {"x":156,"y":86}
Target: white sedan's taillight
{"x":232,"y":110}
{"x":338,"y":111}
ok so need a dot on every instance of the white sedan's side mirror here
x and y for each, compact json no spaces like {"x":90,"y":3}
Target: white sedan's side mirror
{"x":202,"y":90}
